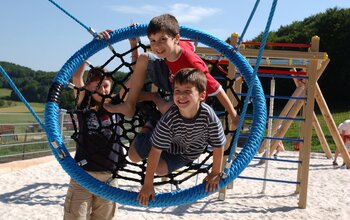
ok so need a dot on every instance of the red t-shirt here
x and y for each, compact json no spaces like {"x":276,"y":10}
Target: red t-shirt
{"x":188,"y":59}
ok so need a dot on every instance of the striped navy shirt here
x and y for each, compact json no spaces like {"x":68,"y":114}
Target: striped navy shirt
{"x":188,"y":138}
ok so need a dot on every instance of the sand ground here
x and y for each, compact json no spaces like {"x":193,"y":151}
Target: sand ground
{"x":36,"y":190}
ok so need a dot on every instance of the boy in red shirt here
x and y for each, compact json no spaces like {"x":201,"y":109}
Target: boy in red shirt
{"x":168,"y":55}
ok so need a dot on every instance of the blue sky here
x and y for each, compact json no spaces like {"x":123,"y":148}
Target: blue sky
{"x":34,"y":33}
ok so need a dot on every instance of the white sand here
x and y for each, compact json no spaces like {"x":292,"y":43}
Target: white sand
{"x":38,"y":192}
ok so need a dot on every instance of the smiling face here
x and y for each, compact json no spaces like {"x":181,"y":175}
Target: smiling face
{"x":187,"y":98}
{"x":164,"y":46}
{"x":189,"y":91}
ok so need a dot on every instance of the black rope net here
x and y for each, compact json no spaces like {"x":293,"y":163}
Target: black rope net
{"x":104,"y":138}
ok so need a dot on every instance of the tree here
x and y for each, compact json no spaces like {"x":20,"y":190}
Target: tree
{"x":333,"y":28}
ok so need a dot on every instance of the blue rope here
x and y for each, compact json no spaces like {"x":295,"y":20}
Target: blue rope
{"x":14,"y":87}
{"x":89,"y":29}
{"x":248,"y":23}
{"x":179,"y":197}
{"x":250,"y":88}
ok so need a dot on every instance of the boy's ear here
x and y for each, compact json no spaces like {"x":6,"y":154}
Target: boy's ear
{"x":177,"y":38}
{"x":202,"y":95}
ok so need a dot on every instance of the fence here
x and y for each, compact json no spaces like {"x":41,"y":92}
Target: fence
{"x":21,"y":137}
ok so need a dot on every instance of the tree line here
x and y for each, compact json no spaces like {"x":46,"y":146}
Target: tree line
{"x":34,"y":84}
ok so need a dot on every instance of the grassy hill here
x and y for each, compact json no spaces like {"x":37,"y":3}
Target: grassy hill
{"x":16,"y":106}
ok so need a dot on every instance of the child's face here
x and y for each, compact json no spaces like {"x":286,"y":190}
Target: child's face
{"x":163,"y":45}
{"x":103,"y":89}
{"x":187,"y":98}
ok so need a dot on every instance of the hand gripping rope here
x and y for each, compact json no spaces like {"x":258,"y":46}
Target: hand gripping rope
{"x":179,"y":197}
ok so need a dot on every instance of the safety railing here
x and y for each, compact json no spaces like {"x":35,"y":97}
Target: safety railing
{"x":21,"y":137}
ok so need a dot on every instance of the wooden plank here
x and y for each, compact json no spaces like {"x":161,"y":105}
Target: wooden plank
{"x":305,"y":150}
{"x":321,"y":137}
{"x":283,"y":54}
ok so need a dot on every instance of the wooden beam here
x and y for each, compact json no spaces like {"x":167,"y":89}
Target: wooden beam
{"x":305,"y":148}
{"x":231,"y":75}
{"x":283,"y":54}
{"x":321,"y":137}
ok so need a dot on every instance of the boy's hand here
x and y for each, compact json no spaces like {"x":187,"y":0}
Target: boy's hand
{"x":235,"y":122}
{"x":212,"y":182}
{"x":145,"y":193}
{"x":134,"y":40}
{"x":105,"y":34}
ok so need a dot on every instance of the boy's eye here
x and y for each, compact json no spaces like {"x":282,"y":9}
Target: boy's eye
{"x":187,"y":92}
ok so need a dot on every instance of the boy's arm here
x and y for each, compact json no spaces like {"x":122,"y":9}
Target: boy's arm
{"x":137,"y":81}
{"x":77,"y":76}
{"x":133,"y":43}
{"x":78,"y":81}
{"x":147,"y":190}
{"x":226,"y":103}
{"x":135,"y":53}
{"x":214,"y":176}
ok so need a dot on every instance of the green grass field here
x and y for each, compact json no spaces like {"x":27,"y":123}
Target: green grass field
{"x":19,"y":107}
{"x":4,"y":93}
{"x":16,"y":106}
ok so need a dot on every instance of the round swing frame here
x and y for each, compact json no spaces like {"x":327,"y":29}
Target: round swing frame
{"x":184,"y":196}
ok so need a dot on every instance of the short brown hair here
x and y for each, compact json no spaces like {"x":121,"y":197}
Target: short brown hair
{"x":166,"y":23}
{"x":192,"y":76}
{"x":97,"y":74}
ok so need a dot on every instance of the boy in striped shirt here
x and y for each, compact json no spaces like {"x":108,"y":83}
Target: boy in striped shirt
{"x":182,"y":134}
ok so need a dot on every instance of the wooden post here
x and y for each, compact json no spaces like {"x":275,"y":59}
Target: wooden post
{"x":305,"y":148}
{"x":231,"y":75}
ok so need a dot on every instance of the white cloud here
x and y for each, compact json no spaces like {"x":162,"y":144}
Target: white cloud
{"x":191,"y":14}
{"x":183,"y":12}
{"x":145,"y":9}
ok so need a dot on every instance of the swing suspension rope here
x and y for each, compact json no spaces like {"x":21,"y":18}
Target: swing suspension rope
{"x":250,"y":88}
{"x":248,"y":23}
{"x":89,"y":29}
